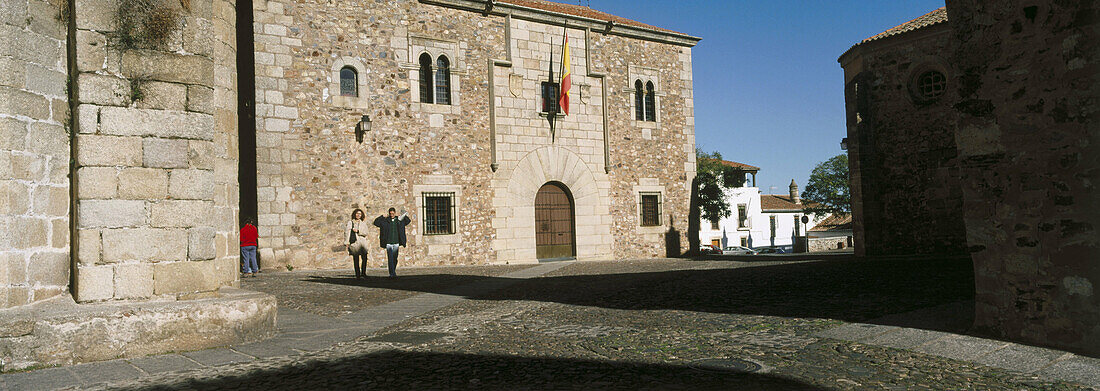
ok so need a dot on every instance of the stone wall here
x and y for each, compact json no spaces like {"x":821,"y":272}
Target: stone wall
{"x":155,"y":149}
{"x":34,"y":151}
{"x":827,"y":243}
{"x":490,"y":146}
{"x":903,"y":171}
{"x":1029,"y":157}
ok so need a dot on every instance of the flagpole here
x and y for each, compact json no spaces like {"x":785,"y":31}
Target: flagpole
{"x":551,"y":113}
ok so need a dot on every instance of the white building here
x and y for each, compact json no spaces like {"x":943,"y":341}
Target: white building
{"x":758,"y":220}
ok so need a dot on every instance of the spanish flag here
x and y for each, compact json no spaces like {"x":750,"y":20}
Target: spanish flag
{"x":566,"y":74}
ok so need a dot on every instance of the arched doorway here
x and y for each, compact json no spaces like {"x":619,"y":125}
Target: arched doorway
{"x":554,"y":222}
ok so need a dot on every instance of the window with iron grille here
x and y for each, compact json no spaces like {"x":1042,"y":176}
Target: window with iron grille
{"x":650,"y":103}
{"x":650,"y":207}
{"x":443,"y":81}
{"x":348,"y":82}
{"x":639,"y":101}
{"x":425,"y":78}
{"x":931,"y":84}
{"x":714,"y":225}
{"x":439,"y":213}
{"x":550,"y":94}
{"x":772,"y":218}
{"x":742,"y":216}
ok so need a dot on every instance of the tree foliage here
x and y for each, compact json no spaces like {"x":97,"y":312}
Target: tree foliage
{"x":711,"y":180}
{"x":827,"y":190}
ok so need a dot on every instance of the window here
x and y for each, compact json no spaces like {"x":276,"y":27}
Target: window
{"x":439,"y":212}
{"x":443,"y":81}
{"x":772,"y":221}
{"x":650,"y":209}
{"x":742,"y":217}
{"x":797,"y":227}
{"x":716,"y":242}
{"x":650,"y":103}
{"x":349,"y":82}
{"x":550,"y":94}
{"x":930,"y":85}
{"x":744,"y":241}
{"x":714,"y":225}
{"x":639,"y":101}
{"x":425,"y":78}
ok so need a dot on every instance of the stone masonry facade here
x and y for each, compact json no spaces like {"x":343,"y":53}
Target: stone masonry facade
{"x":1007,"y":158}
{"x":155,"y":150}
{"x":491,"y":147}
{"x":34,"y":152}
{"x":905,"y":180}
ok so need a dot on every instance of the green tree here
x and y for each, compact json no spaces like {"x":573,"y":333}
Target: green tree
{"x":708,"y":199}
{"x":827,"y":190}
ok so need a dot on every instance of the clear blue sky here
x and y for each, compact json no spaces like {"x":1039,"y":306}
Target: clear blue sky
{"x":768,"y":89}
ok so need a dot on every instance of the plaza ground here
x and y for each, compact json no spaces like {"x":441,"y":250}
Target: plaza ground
{"x":782,"y":323}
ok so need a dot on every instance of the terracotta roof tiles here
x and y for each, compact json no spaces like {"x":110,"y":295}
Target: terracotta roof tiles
{"x":742,"y":166}
{"x":937,"y":16}
{"x":778,"y":202}
{"x":835,"y":222}
{"x":582,"y":11}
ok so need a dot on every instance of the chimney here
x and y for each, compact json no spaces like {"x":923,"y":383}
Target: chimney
{"x":794,"y":193}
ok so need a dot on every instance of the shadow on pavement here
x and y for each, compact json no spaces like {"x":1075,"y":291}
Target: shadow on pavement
{"x":852,"y":290}
{"x":394,"y":370}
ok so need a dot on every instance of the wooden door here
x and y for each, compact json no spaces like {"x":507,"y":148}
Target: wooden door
{"x":554,"y":236}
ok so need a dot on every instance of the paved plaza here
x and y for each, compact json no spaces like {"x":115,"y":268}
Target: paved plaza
{"x":772,"y":323}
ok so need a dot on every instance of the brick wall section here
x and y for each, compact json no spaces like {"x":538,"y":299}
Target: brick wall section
{"x":155,"y":152}
{"x":1029,"y":157}
{"x":311,"y":171}
{"x":903,"y":173}
{"x":34,"y":152}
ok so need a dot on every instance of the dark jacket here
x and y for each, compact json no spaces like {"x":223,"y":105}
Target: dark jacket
{"x":383,"y":223}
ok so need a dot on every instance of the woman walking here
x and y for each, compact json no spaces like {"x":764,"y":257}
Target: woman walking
{"x":356,"y":241}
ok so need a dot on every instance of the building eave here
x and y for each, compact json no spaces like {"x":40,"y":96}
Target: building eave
{"x":490,"y":7}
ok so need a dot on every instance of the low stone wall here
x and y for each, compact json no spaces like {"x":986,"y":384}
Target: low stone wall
{"x":61,"y":332}
{"x":830,"y":243}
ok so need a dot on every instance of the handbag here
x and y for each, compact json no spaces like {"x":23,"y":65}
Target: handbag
{"x":351,"y":238}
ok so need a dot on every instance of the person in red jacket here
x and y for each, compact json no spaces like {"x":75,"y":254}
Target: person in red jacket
{"x":249,"y":238}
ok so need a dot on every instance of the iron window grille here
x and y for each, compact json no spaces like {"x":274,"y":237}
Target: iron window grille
{"x":714,"y":225}
{"x":348,"y":82}
{"x":443,"y":81}
{"x":742,"y":217}
{"x":550,"y":94}
{"x":931,"y":84}
{"x":650,"y":207}
{"x":772,"y":220}
{"x":425,"y":78}
{"x":439,"y":213}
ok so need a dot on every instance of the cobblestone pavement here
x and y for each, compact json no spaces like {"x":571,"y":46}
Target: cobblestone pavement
{"x":645,"y":324}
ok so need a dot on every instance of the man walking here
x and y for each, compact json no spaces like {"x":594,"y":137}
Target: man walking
{"x":391,"y":235}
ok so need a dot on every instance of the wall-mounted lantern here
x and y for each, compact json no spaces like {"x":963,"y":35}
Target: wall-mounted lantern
{"x":844,"y":144}
{"x":362,"y":127}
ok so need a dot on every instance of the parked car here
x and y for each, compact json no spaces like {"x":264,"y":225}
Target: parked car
{"x":705,"y":249}
{"x":769,"y":250}
{"x":738,"y":250}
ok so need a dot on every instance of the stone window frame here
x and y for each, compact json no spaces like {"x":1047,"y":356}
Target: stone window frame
{"x":455,"y":51}
{"x":645,"y":75}
{"x":746,"y":223}
{"x":439,"y":239}
{"x":650,"y":185}
{"x":361,"y":101}
{"x":923,"y":66}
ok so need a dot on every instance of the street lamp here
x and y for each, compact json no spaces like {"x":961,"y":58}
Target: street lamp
{"x":362,"y":127}
{"x":844,"y":144}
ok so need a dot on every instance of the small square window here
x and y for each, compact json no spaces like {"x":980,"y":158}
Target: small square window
{"x":650,"y":207}
{"x":714,"y":225}
{"x":439,"y":213}
{"x":550,"y":94}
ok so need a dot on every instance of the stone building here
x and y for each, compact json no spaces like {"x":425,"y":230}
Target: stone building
{"x":981,"y":119}
{"x":459,"y":136}
{"x":127,"y":156}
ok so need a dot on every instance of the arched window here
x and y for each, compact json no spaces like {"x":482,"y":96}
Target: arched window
{"x":425,"y":78}
{"x":650,"y":103}
{"x":639,"y":101}
{"x":443,"y":81}
{"x":349,"y":82}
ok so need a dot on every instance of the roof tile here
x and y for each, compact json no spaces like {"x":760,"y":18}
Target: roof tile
{"x":937,"y":16}
{"x":577,"y":10}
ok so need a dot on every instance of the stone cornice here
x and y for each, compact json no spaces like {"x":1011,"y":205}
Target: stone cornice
{"x":490,"y":7}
